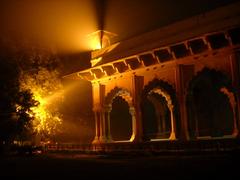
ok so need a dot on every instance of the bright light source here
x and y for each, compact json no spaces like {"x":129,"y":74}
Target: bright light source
{"x":96,"y":43}
{"x":100,"y":39}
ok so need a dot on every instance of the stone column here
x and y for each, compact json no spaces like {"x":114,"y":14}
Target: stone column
{"x":137,"y":87}
{"x":163,"y":120}
{"x":98,"y":101}
{"x":134,"y":123}
{"x":108,"y":125}
{"x":160,"y":129}
{"x":158,"y":106}
{"x":184,"y":73}
{"x":195,"y":117}
{"x":173,"y":123}
{"x":235,"y":132}
{"x":233,"y":104}
{"x":235,"y":75}
{"x":103,"y":137}
{"x":97,"y":132}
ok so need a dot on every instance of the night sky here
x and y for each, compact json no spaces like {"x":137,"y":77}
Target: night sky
{"x":131,"y":18}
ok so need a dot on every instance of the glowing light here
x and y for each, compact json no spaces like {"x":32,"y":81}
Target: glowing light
{"x":47,"y":91}
{"x":96,"y":44}
{"x":100,"y":39}
{"x":94,"y":40}
{"x":44,"y":120}
{"x":55,"y":24}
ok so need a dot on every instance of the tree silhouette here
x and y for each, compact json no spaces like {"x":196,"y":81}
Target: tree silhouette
{"x":14,"y":103}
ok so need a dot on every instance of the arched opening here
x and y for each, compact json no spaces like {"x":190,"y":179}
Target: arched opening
{"x":210,"y":113}
{"x":159,"y":111}
{"x":120,"y":120}
{"x":156,"y":117}
{"x":120,"y":116}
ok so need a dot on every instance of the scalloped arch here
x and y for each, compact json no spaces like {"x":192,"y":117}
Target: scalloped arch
{"x":217,"y":77}
{"x":164,"y":87}
{"x":125,"y":94}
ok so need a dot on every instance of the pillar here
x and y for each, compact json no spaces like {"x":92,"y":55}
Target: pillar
{"x":184,"y":73}
{"x":196,"y":135}
{"x":160,"y":129}
{"x":137,"y":87}
{"x":102,"y":137}
{"x":134,"y":123}
{"x":233,"y":104}
{"x":163,"y":120}
{"x":235,"y":75}
{"x":173,"y":123}
{"x":108,"y":123}
{"x":97,"y":127}
{"x":160,"y":119}
{"x":100,"y":124}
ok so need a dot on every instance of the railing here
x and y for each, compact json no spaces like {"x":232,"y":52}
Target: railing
{"x":211,"y":145}
{"x":68,"y":147}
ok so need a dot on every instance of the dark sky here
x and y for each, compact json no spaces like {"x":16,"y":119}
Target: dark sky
{"x":64,"y":24}
{"x":133,"y":17}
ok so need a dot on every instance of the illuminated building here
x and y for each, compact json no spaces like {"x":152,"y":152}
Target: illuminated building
{"x":179,"y":82}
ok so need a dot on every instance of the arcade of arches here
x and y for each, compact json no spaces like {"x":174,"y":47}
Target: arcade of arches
{"x":210,"y":104}
{"x":184,"y":87}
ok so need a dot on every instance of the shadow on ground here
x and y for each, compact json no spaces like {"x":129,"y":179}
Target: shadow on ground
{"x":120,"y":166}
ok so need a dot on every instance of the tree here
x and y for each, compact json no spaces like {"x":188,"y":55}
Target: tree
{"x":40,"y":75}
{"x":13,"y":120}
{"x":24,"y":105}
{"x":29,"y":91}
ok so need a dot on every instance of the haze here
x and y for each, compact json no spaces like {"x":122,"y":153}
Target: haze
{"x":65,"y":24}
{"x":54,"y":23}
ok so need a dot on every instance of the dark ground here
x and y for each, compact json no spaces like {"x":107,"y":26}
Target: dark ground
{"x":88,"y":166}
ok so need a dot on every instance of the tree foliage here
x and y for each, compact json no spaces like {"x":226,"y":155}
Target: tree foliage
{"x":41,"y":77}
{"x":14,"y":122}
{"x":28,"y":76}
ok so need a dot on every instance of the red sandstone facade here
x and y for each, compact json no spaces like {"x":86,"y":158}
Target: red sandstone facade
{"x":183,"y":78}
